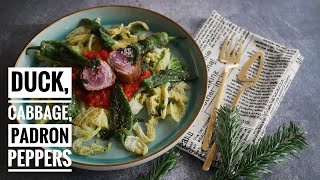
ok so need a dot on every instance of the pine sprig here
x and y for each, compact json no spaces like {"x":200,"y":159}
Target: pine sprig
{"x":229,"y":125}
{"x":287,"y":142}
{"x":245,"y":161}
{"x":162,"y":165}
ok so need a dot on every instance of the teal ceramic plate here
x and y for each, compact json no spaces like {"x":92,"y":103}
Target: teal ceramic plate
{"x":167,"y":132}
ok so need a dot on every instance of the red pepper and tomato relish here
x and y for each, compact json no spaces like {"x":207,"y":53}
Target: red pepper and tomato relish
{"x":102,"y":54}
{"x":102,"y":98}
{"x":130,"y":89}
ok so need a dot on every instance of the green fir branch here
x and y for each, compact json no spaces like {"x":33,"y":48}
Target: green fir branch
{"x":241,"y":161}
{"x":287,"y":142}
{"x":229,"y":125}
{"x":162,"y":165}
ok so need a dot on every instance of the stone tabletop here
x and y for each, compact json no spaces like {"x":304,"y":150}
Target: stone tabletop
{"x":293,"y":23}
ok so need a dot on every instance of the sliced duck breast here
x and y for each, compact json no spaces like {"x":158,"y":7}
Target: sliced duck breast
{"x":125,"y":71}
{"x":99,"y":78}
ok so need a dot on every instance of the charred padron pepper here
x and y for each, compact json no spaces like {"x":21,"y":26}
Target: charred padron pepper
{"x":156,"y":40}
{"x":98,"y":30}
{"x":59,"y":52}
{"x":122,"y":117}
{"x":164,"y":76}
{"x":73,"y":106}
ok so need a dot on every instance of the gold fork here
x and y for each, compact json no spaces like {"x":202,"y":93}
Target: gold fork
{"x":241,"y":77}
{"x":232,"y":57}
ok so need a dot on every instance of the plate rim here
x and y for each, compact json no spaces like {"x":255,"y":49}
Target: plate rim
{"x":162,"y":150}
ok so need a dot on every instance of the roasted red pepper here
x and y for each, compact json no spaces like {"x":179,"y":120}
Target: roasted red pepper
{"x":130,"y":89}
{"x":103,"y":54}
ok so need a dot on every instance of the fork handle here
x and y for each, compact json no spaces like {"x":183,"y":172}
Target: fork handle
{"x":211,"y":154}
{"x":213,"y":151}
{"x":216,"y":105}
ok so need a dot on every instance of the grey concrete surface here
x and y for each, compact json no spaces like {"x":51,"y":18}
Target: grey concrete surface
{"x":294,"y":23}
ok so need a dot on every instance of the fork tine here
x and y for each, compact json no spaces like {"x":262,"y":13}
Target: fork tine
{"x":223,"y":49}
{"x":230,"y":48}
{"x":235,"y":49}
{"x":240,"y":50}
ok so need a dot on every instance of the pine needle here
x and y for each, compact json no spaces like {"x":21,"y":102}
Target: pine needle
{"x":229,"y":125}
{"x":246,"y":161}
{"x":162,"y":165}
{"x":287,"y":142}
